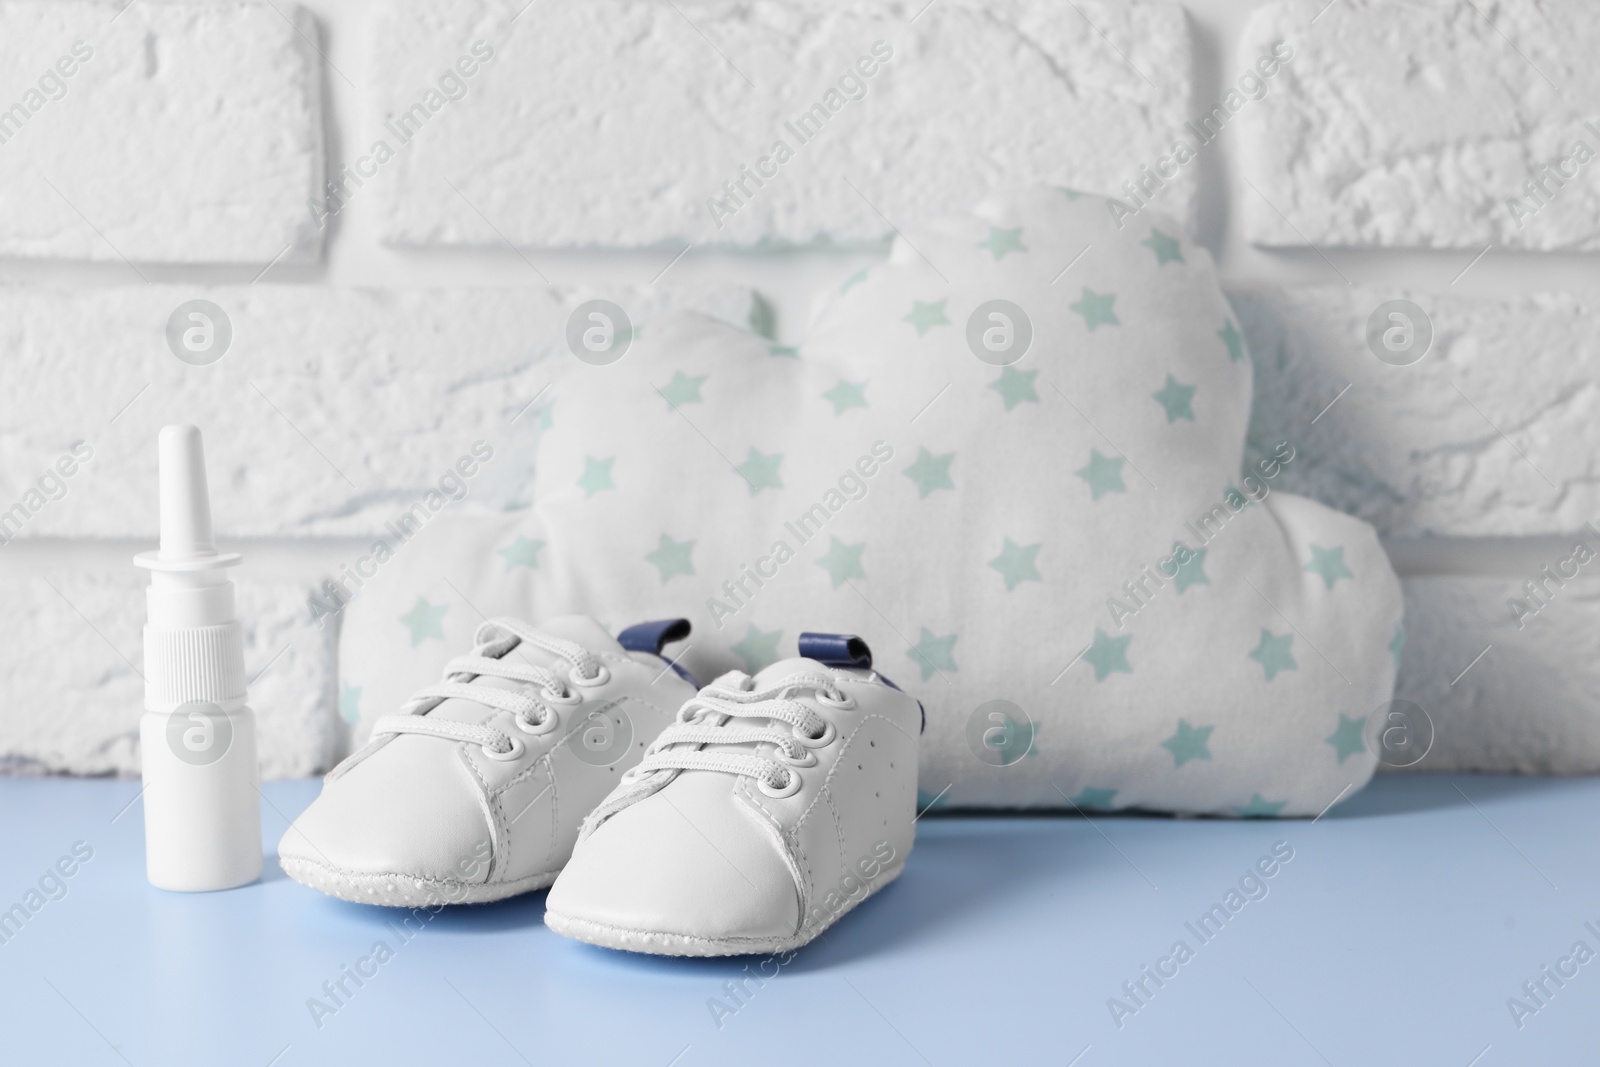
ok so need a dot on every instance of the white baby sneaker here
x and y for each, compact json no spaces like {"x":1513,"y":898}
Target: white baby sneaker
{"x":477,"y":790}
{"x":769,"y":808}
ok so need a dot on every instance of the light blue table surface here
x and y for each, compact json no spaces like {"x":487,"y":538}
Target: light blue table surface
{"x":1406,"y":919}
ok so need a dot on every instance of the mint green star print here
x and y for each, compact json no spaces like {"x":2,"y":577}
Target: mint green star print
{"x":522,"y":553}
{"x":1397,"y":643}
{"x":1273,"y":654}
{"x":1015,"y":386}
{"x":758,"y":649}
{"x":1012,"y":742}
{"x":1000,"y":241}
{"x":1165,"y":248}
{"x":854,"y":280}
{"x":423,"y":621}
{"x":1096,"y":309}
{"x":1108,"y":655}
{"x":784,"y":351}
{"x":1103,"y":474}
{"x":1329,"y":563}
{"x":1188,"y":743}
{"x":1260,"y":808}
{"x":761,"y":471}
{"x":1094,"y":799}
{"x":843,"y":561}
{"x":1231,"y":338}
{"x":683,"y":389}
{"x":1016,"y":563}
{"x":931,"y":472}
{"x":926,"y":316}
{"x":1174,"y":399}
{"x":1349,"y":739}
{"x":846,"y":395}
{"x":596,"y":475}
{"x":350,"y":703}
{"x":932,"y":653}
{"x":1190,"y":572}
{"x":672,"y":558}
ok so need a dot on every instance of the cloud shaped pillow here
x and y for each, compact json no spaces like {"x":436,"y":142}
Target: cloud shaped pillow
{"x":1009,"y":457}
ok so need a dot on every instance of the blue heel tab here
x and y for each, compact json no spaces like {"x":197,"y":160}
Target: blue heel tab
{"x":836,"y":650}
{"x":848,"y":650}
{"x":652,"y":637}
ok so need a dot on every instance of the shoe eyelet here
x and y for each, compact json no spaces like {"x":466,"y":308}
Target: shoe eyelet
{"x":789,"y":788}
{"x":822,"y":741}
{"x":600,"y":677}
{"x":540,"y":728}
{"x":567,"y":699}
{"x":514,"y":752}
{"x":844,"y":703}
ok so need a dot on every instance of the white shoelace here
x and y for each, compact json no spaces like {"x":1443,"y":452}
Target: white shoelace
{"x":710,"y":719}
{"x":493,"y":642}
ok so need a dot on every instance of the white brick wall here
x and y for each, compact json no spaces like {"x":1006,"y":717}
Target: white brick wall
{"x":633,"y":114}
{"x":1423,"y":124}
{"x":378,"y":329}
{"x":162,"y":133}
{"x":1529,"y":704}
{"x":1495,"y":431}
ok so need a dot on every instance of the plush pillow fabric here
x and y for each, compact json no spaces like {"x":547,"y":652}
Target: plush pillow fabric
{"x":1058,"y":555}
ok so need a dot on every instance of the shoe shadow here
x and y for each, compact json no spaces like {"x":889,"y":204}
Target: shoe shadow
{"x":500,"y":916}
{"x":958,"y":866}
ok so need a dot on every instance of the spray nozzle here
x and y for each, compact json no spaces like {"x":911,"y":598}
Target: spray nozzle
{"x":186,"y":539}
{"x":185,"y":504}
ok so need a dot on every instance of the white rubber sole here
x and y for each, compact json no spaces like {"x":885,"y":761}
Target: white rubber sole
{"x":406,"y":890}
{"x":659,"y":943}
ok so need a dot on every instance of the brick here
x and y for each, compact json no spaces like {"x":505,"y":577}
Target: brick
{"x":75,"y":697}
{"x":330,"y":411}
{"x":1496,"y":431}
{"x":614,"y":123}
{"x":1530,"y":704}
{"x":1420,"y":125}
{"x":186,"y":132}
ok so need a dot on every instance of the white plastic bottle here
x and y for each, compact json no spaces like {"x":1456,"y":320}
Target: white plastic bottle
{"x":202,"y":812}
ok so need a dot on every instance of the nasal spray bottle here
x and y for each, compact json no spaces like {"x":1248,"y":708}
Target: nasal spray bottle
{"x":202,"y":814}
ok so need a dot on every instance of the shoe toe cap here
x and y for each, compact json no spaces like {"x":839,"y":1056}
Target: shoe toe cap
{"x":404,"y":810}
{"x":669,"y":865}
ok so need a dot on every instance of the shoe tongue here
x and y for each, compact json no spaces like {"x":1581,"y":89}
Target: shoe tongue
{"x":788,"y":668}
{"x":579,"y":629}
{"x":582,"y":630}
